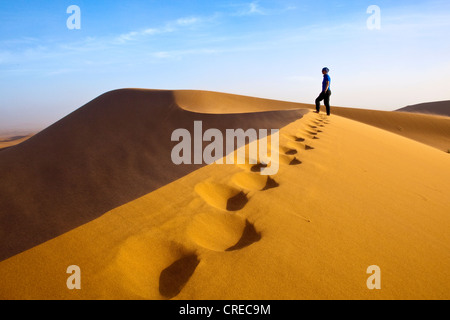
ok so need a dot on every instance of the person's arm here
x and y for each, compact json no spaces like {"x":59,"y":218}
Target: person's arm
{"x":327,"y":86}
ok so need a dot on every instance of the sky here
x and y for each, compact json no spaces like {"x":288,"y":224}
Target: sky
{"x":270,"y":49}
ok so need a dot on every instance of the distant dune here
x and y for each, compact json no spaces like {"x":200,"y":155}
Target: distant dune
{"x":8,"y":141}
{"x":98,"y":190}
{"x":441,"y":108}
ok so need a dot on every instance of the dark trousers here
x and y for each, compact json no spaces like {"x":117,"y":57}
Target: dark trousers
{"x":326,"y":97}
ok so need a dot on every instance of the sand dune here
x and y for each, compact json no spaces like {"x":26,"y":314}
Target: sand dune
{"x":9,"y":141}
{"x":432,"y":130}
{"x":347,"y":196}
{"x":107,"y":153}
{"x":441,"y":108}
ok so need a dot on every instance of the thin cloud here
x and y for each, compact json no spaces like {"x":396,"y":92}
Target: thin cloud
{"x":169,"y":27}
{"x":255,"y":8}
{"x":248,"y":9}
{"x":34,"y":50}
{"x":187,"y":21}
{"x":177,"y":54}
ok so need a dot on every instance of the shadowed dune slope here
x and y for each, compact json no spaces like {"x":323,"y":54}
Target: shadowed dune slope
{"x":111,"y":151}
{"x":438,"y":108}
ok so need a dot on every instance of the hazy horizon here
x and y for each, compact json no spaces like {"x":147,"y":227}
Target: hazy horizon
{"x":267,"y":49}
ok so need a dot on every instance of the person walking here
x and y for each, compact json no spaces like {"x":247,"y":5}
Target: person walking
{"x":326,"y":92}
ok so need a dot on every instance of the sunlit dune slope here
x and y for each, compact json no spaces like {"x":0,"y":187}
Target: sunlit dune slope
{"x":111,"y":151}
{"x":347,"y":196}
{"x":218,"y":103}
{"x":429,"y":129}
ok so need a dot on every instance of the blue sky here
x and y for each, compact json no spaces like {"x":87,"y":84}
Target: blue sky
{"x":270,"y":49}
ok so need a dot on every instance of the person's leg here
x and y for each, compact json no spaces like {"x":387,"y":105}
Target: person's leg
{"x":319,"y":98}
{"x":327,"y":102}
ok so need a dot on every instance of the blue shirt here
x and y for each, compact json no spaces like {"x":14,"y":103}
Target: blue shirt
{"x":326,"y":78}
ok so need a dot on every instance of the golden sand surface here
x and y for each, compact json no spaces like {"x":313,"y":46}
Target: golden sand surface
{"x":347,"y":196}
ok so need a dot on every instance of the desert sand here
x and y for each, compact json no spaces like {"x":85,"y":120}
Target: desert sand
{"x":8,"y":141}
{"x":98,"y":190}
{"x":433,"y":130}
{"x":441,"y":108}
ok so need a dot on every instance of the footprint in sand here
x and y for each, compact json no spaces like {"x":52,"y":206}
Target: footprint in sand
{"x":291,"y":152}
{"x":248,"y":237}
{"x":295,"y":162}
{"x":324,"y":120}
{"x":254,"y":181}
{"x":173,"y":278}
{"x":313,"y":133}
{"x":288,"y":151}
{"x":222,"y":232}
{"x":297,"y":138}
{"x":288,"y":159}
{"x":221,"y":196}
{"x":148,"y":266}
{"x":299,"y":145}
{"x":305,"y":133}
{"x":258,"y":167}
